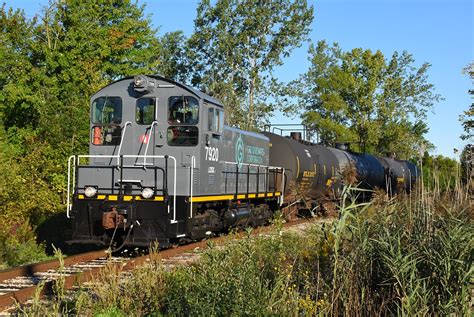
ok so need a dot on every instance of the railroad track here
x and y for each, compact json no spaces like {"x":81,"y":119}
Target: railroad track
{"x":18,"y":285}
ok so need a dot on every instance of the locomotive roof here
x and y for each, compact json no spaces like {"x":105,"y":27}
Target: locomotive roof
{"x":192,"y":90}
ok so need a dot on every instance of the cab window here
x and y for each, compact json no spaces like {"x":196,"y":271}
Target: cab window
{"x":220,"y":119}
{"x":107,"y":110}
{"x":210,"y":119}
{"x":182,"y":136}
{"x":145,"y":111}
{"x":183,"y":110}
{"x":215,"y":120}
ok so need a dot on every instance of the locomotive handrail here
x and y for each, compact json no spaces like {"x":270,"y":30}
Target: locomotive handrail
{"x":96,"y":156}
{"x":69,"y":205}
{"x":191,"y":182}
{"x":269,"y":167}
{"x":255,"y":165}
{"x":127,"y":123}
{"x":174,"y":178}
{"x":282,"y":186}
{"x":148,"y":141}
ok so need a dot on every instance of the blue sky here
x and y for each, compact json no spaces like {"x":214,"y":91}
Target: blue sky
{"x":440,"y":32}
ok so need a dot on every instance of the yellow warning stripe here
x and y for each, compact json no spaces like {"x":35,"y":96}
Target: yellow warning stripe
{"x":198,"y":199}
{"x":125,"y":198}
{"x":211,"y":198}
{"x":194,"y":199}
{"x":156,"y":198}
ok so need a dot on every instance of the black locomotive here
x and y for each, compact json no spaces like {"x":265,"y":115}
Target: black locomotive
{"x":162,"y":166}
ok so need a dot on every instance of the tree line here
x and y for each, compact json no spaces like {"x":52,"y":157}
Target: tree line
{"x":52,"y":63}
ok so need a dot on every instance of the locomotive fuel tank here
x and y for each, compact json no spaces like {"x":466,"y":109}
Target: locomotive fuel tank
{"x":237,"y":216}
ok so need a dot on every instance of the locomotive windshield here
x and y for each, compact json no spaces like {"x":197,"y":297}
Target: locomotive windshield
{"x":183,"y":110}
{"x":107,"y":110}
{"x":183,"y":115}
{"x":145,"y":111}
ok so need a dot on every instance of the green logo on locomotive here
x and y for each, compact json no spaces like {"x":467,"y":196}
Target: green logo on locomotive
{"x":239,"y":151}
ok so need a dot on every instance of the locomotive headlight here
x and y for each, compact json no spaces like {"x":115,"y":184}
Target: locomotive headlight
{"x":147,"y":193}
{"x":143,"y":84}
{"x":90,"y":191}
{"x":139,"y":81}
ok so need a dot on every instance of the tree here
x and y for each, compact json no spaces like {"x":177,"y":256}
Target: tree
{"x":467,"y":118}
{"x":81,"y":48}
{"x":439,"y":172}
{"x":173,"y":62}
{"x":237,"y":44}
{"x":16,"y":94}
{"x":49,"y":67}
{"x":467,"y":155}
{"x":360,"y":96}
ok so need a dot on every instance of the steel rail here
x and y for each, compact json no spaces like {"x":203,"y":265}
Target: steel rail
{"x":23,"y":294}
{"x":30,"y":269}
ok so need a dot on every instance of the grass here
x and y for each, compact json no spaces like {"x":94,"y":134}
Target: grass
{"x":405,"y":256}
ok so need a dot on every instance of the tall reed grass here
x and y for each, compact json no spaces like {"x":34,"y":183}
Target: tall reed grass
{"x":410,"y":255}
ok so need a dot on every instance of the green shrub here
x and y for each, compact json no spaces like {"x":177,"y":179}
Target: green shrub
{"x":18,"y":244}
{"x":250,"y":277}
